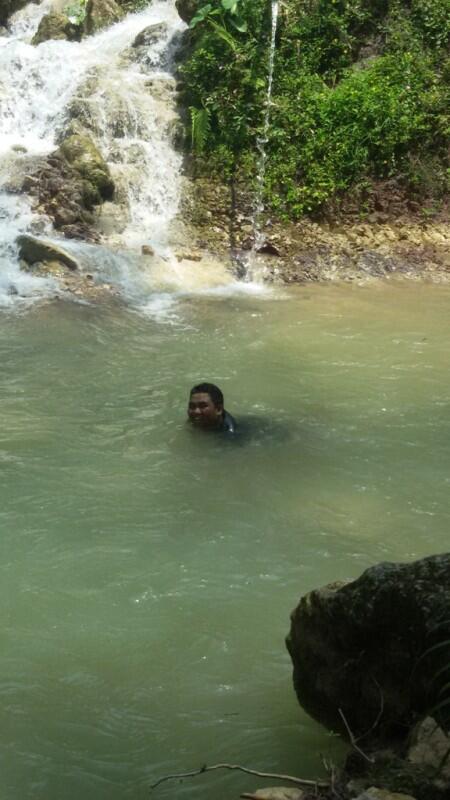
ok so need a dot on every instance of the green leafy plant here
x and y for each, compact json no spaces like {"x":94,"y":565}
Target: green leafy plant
{"x":207,"y":12}
{"x":76,"y":11}
{"x":200,"y":126}
{"x":360,"y":94}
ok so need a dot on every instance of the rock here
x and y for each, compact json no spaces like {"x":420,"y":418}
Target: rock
{"x":9,"y":7}
{"x":80,"y":151}
{"x":430,"y":749}
{"x":382,"y":794}
{"x":150,"y":35}
{"x":64,"y":195}
{"x":270,"y":249}
{"x":147,"y":250}
{"x":188,"y":256}
{"x":187,"y":9}
{"x":33,"y":250}
{"x":360,"y":647}
{"x":276,"y":793}
{"x":100,"y":14}
{"x":56,"y":26}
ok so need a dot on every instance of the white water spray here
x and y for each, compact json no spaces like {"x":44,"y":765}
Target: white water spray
{"x":128,"y":106}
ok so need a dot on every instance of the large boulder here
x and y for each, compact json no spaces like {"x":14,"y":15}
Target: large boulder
{"x":362,"y":653}
{"x":82,"y":154}
{"x":56,"y":26}
{"x":34,"y":250}
{"x":100,"y":14}
{"x":187,"y":9}
{"x":151,"y":34}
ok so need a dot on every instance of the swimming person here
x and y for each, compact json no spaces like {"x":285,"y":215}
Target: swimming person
{"x":206,"y":411}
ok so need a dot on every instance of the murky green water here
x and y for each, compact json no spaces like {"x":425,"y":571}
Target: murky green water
{"x":147,"y":574}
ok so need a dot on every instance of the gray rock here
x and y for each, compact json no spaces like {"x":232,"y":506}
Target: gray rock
{"x":34,"y":250}
{"x":361,"y":650}
{"x":382,"y":794}
{"x":150,"y":35}
{"x":430,"y":749}
{"x":186,"y":9}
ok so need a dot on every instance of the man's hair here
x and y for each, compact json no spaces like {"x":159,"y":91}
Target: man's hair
{"x":211,"y":389}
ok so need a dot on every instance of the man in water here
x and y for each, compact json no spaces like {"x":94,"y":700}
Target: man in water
{"x":206,"y":411}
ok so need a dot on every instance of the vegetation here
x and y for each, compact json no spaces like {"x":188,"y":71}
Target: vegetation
{"x":360,"y":93}
{"x":76,"y":11}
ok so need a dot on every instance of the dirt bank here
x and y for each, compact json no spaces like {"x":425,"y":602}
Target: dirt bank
{"x":391,"y":235}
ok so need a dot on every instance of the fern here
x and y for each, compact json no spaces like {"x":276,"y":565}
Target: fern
{"x":200,"y":127}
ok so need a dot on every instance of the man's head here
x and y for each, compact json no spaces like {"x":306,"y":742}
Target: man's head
{"x":205,"y":407}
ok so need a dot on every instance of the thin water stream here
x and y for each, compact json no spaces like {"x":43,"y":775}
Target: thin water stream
{"x":264,"y":138}
{"x":147,"y":573}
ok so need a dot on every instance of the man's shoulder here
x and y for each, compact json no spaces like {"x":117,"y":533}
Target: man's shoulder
{"x":229,"y":423}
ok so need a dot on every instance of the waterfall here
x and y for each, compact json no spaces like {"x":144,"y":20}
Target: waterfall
{"x":262,"y":140}
{"x":128,"y":107}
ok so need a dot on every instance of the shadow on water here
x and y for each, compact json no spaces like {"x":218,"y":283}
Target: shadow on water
{"x":252,"y":430}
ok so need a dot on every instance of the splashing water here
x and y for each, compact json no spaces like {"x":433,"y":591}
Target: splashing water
{"x":126,"y":103}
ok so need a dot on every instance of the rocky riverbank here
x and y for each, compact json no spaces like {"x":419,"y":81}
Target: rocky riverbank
{"x":371,"y":659}
{"x":392,"y":237}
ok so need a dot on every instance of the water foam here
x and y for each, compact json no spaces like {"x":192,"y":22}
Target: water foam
{"x":38,"y":84}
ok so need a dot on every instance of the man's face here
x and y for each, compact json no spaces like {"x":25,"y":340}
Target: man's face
{"x":203,"y":412}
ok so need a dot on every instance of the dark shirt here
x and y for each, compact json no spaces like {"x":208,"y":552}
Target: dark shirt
{"x":229,"y":423}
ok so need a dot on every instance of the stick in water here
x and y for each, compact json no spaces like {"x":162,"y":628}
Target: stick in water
{"x":205,"y":768}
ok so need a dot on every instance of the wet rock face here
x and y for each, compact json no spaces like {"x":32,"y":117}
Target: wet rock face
{"x":56,"y":26}
{"x":360,"y":650}
{"x":100,"y":14}
{"x":70,"y":183}
{"x":9,"y":7}
{"x":150,"y":35}
{"x":33,"y":249}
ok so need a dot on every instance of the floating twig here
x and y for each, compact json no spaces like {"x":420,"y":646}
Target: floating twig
{"x":205,"y":768}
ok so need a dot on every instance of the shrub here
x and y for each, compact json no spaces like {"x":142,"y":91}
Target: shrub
{"x":334,"y":120}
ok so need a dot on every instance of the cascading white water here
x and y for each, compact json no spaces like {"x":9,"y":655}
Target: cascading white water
{"x":264,"y":137}
{"x":38,"y":86}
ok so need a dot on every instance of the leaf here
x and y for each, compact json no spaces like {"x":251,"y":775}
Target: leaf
{"x":230,"y":5}
{"x":239,"y":23}
{"x":201,"y":15}
{"x":223,"y":34}
{"x":200,"y":127}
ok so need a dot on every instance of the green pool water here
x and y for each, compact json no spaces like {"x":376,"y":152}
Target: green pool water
{"x":148,"y":572}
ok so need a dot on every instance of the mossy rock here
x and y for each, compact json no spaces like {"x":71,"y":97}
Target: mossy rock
{"x":81,"y":153}
{"x":100,"y":14}
{"x":34,"y":250}
{"x":56,"y":26}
